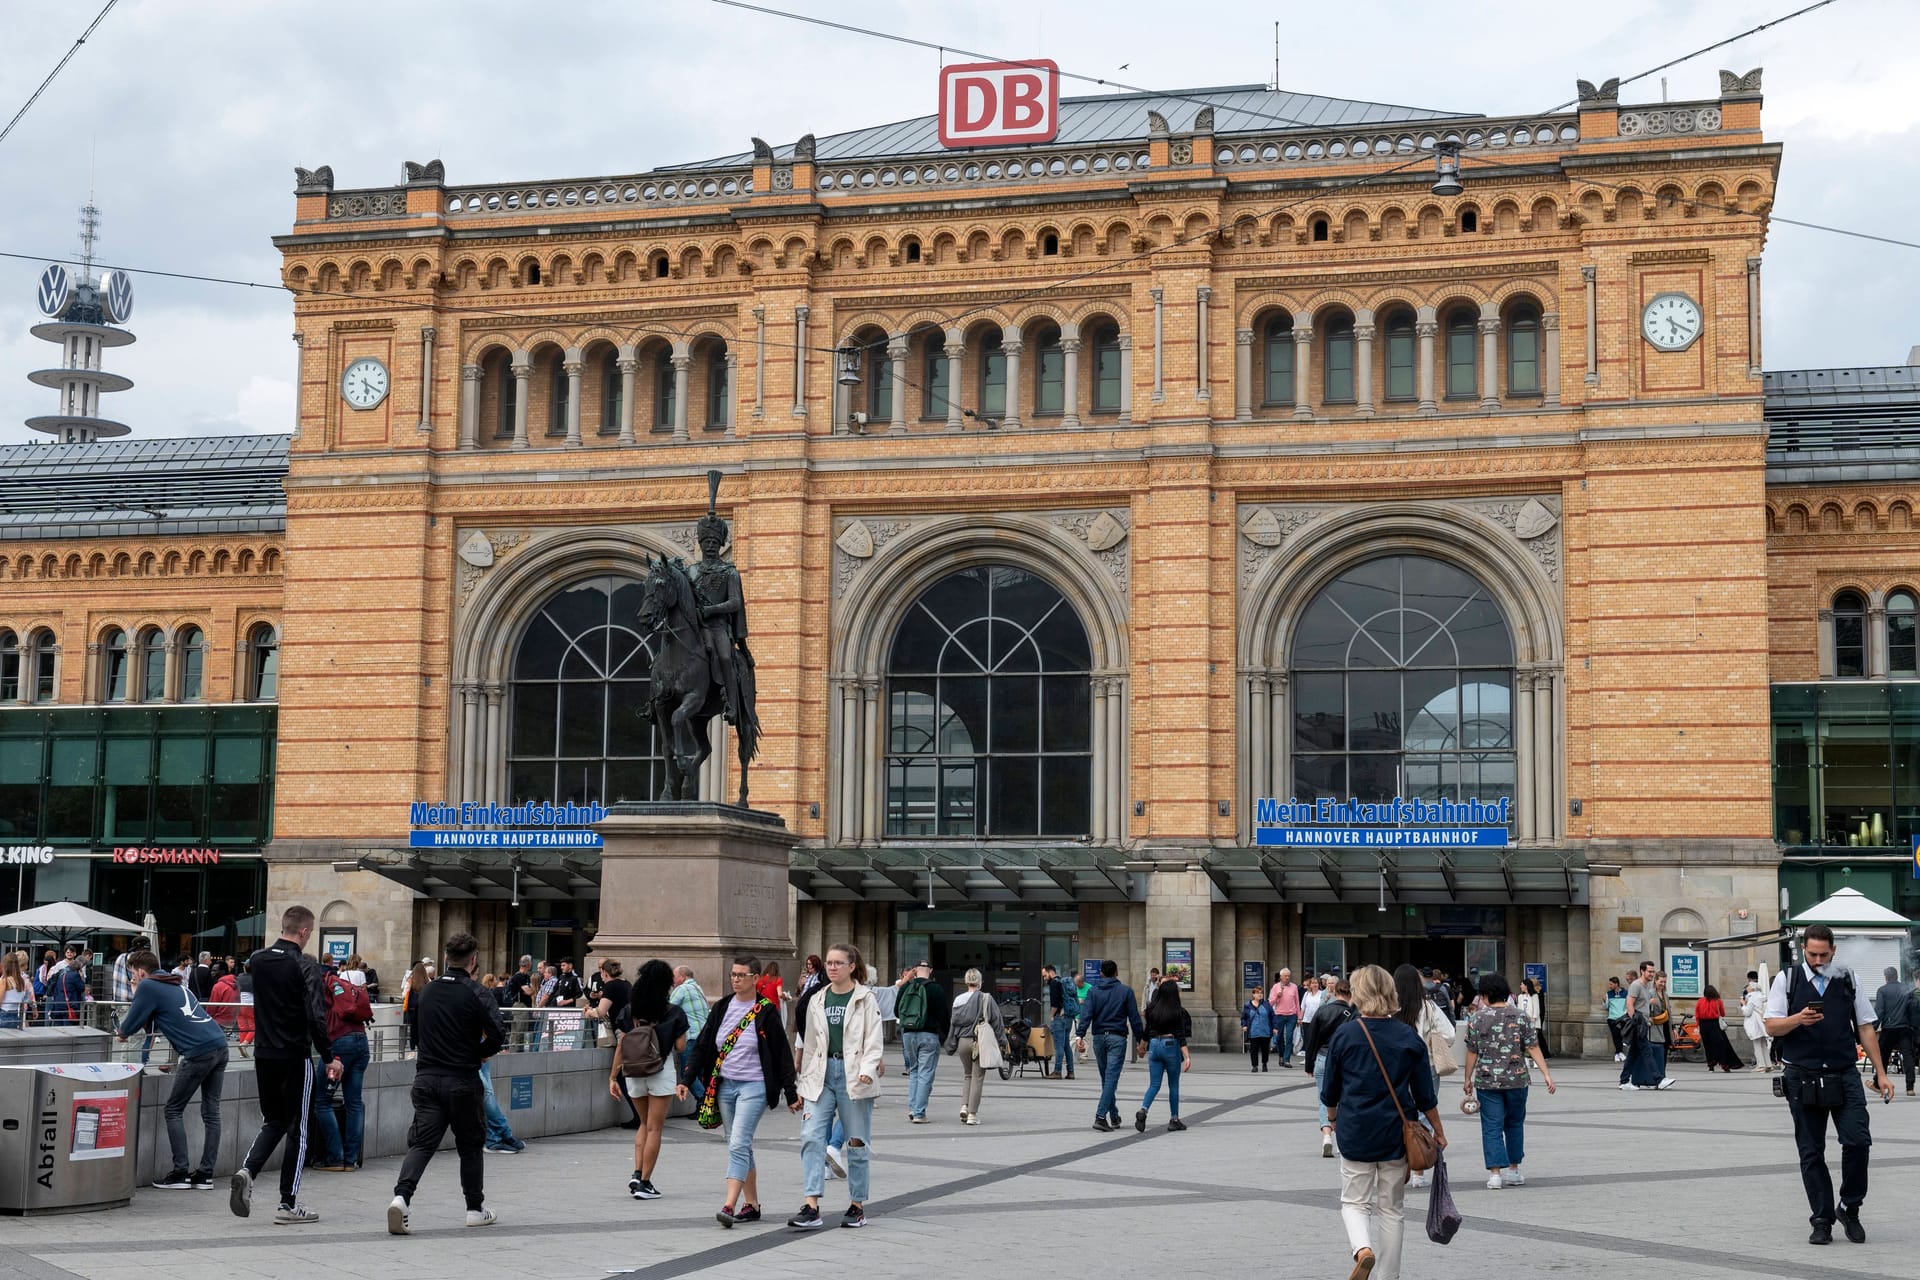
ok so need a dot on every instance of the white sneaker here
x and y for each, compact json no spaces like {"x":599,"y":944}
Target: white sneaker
{"x":1418,"y":1180}
{"x":1514,"y":1178}
{"x":1628,"y":1087}
{"x":1326,"y":1145}
{"x":481,"y":1218}
{"x":835,"y":1164}
{"x":1665,"y":1084}
{"x":1619,"y":1057}
{"x":1494,"y":1183}
{"x":397,"y":1224}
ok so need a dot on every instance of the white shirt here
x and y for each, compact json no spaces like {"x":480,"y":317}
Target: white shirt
{"x":1862,"y":1004}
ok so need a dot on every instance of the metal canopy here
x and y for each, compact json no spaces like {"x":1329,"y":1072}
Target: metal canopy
{"x":488,"y":875}
{"x":967,"y":873}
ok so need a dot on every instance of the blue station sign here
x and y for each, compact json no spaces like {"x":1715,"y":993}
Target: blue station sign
{"x":1398,"y":823}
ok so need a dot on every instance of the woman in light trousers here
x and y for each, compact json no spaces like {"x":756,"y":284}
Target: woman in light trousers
{"x":973,"y":1010}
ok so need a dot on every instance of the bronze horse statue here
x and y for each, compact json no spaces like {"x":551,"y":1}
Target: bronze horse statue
{"x":685,"y":694}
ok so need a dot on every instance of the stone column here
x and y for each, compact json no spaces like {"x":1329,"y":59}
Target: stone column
{"x":1097,"y":807}
{"x":1303,"y":367}
{"x":682,"y":362}
{"x":759,"y":363}
{"x":1116,"y":758}
{"x":426,"y":379}
{"x":1524,"y":748}
{"x":732,"y":397}
{"x":299,"y":376}
{"x":1550,"y":354}
{"x":956,"y":350}
{"x":470,"y":406}
{"x":1012,"y":344}
{"x":1126,"y":377}
{"x":1259,"y":748}
{"x":1425,"y":326}
{"x":1159,"y":344}
{"x":1203,"y":295}
{"x":1877,"y":636}
{"x":1489,"y":357}
{"x":897,"y":371}
{"x":1243,"y":375}
{"x":493,"y":760}
{"x":1546,"y":801}
{"x":471,"y":743}
{"x":1589,"y":275}
{"x":1363,"y":363}
{"x":522,"y":380}
{"x":1280,"y":743}
{"x":848,"y":822}
{"x":800,"y":360}
{"x":1070,"y":355}
{"x":871,"y":765}
{"x":573,"y":366}
{"x":1825,"y":645}
{"x":629,"y":365}
{"x":1753,"y":317}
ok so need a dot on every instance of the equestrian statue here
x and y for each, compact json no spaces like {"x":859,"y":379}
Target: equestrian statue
{"x":695,"y":619}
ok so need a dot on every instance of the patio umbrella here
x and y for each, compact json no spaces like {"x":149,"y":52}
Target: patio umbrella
{"x":65,"y":919}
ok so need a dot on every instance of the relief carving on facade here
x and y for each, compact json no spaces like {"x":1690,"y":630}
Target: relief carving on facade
{"x":859,"y":539}
{"x":1265,"y":529}
{"x":1105,"y":535}
{"x":482,"y":551}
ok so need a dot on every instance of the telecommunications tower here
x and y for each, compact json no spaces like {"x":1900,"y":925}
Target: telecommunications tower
{"x":83,"y":315}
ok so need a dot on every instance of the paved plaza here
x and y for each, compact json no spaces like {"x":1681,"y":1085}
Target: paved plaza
{"x":1699,"y":1181}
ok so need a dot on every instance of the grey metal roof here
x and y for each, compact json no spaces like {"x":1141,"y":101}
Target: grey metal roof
{"x":1827,"y":425}
{"x":1241,"y":108}
{"x":124,"y":488}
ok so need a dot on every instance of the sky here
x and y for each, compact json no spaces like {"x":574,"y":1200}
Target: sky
{"x":187,"y":117}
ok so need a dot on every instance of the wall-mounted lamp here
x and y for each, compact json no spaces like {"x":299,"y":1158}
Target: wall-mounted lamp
{"x":1446,"y":170}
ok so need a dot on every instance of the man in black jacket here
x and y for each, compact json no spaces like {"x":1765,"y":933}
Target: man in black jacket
{"x":459,"y":1029}
{"x":289,"y":1025}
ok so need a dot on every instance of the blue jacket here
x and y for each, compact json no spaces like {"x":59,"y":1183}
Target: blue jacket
{"x":1256,"y":1019}
{"x":1368,"y":1126}
{"x":164,"y":1004}
{"x":1110,"y":1007}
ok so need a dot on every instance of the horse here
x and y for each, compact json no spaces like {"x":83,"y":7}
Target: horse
{"x":685,"y":696}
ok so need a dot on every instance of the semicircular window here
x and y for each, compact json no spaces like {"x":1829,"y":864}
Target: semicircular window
{"x":1402,"y":683}
{"x":579,"y":726}
{"x":989,"y":711}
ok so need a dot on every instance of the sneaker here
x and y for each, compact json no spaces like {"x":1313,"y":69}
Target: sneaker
{"x":645,"y":1191}
{"x":1514,"y":1178}
{"x":855,"y":1216}
{"x":747,"y":1213}
{"x":836,"y":1165}
{"x":634,"y":1184}
{"x":1416,"y":1181}
{"x":1176,"y":1125}
{"x":1494,"y":1183}
{"x":1850,"y":1223}
{"x":481,"y":1218}
{"x":397,"y":1224}
{"x":1140,"y":1120}
{"x":505,"y":1148}
{"x":1665,"y":1084}
{"x":240,"y":1194}
{"x":1619,"y":1057}
{"x":177,"y":1180}
{"x":201,"y":1181}
{"x":1628,"y":1087}
{"x":1822,"y":1233}
{"x":1326,"y":1146}
{"x":971,"y":1119}
{"x":1113,"y":1118}
{"x":293,"y":1215}
{"x":924,"y":1120}
{"x":726,"y":1216}
{"x":808,"y":1219}
{"x":1100,"y":1123}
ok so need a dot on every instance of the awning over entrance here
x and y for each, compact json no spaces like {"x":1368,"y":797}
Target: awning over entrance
{"x":492,"y":876}
{"x":967,"y":873}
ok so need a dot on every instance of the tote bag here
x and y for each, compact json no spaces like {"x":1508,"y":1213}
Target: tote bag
{"x":986,"y":1043}
{"x":1443,"y":1219}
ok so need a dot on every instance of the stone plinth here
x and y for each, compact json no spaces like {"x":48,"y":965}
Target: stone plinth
{"x":694,"y":883}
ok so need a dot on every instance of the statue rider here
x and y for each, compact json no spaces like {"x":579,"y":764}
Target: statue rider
{"x":723,"y":611}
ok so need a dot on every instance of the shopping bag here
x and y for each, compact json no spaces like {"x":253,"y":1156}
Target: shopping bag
{"x":1443,"y":1219}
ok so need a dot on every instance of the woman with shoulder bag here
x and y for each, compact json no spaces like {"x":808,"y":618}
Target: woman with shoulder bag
{"x":650,"y":1096}
{"x":1168,"y":1029}
{"x":1435,"y":1030}
{"x":1500,"y":1041}
{"x":840,"y":1068}
{"x":744,"y":1056}
{"x":976,"y":1031}
{"x":1378,"y":1076}
{"x":1651,"y":1065}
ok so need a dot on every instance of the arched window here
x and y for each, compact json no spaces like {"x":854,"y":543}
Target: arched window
{"x":153,"y":665}
{"x":192,"y":649}
{"x":1462,"y":330}
{"x":9,"y":666}
{"x":1049,"y":375}
{"x":1402,"y":686}
{"x":580,"y":728}
{"x":664,"y":388}
{"x":557,"y":402}
{"x":114,"y":675}
{"x":263,"y":663}
{"x":1849,"y":634}
{"x":43,"y":653}
{"x":1523,"y":350}
{"x":989,"y":711}
{"x":1402,"y":371}
{"x":1106,"y":367}
{"x":992,"y":393}
{"x":717,"y":388}
{"x":877,"y":365}
{"x":507,"y":393}
{"x":613,"y":394}
{"x":1903,"y":659}
{"x":1338,"y":372}
{"x":1277,"y":347}
{"x":935,"y":368}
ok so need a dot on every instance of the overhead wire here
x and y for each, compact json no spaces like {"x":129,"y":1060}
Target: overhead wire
{"x":58,"y":67}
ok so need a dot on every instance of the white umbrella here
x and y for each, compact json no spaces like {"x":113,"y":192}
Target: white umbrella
{"x":66,"y":919}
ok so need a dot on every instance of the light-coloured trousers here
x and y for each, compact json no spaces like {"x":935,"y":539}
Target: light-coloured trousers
{"x":1373,"y":1192}
{"x":976,"y":1077}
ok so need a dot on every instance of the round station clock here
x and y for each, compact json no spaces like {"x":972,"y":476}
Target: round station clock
{"x":364,"y":384}
{"x":1671,"y":322}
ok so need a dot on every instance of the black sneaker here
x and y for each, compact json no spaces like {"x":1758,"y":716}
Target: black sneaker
{"x":808,"y":1219}
{"x":1850,"y":1223}
{"x":1822,"y":1233}
{"x":1140,"y":1120}
{"x":855,"y":1216}
{"x":176,"y":1181}
{"x":747,"y":1213}
{"x":1100,"y":1123}
{"x":646,"y":1190}
{"x":1114,"y":1119}
{"x":1177,"y":1125}
{"x":725,"y":1217}
{"x":201,"y":1181}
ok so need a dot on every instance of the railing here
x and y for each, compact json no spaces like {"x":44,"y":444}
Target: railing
{"x":658,"y":191}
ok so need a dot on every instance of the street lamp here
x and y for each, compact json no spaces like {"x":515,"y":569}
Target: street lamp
{"x":849,"y":366}
{"x":1446,"y":169}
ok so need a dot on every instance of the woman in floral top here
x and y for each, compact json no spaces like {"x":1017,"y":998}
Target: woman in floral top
{"x":1500,"y":1039}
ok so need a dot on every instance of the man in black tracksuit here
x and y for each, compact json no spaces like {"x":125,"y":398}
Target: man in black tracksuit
{"x":459,"y":1026}
{"x":289,"y":1026}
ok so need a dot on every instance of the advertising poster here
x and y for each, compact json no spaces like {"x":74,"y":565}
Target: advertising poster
{"x":99,"y":1125}
{"x":337,"y":944}
{"x":1176,"y":960}
{"x":520,"y":1093}
{"x":1538,"y":972}
{"x":566,"y":1029}
{"x":1686,"y":974}
{"x":1089,"y":970}
{"x":1253,"y":975}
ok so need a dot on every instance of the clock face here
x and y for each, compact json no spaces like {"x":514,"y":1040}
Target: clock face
{"x":364,"y":384}
{"x":1671,"y":322}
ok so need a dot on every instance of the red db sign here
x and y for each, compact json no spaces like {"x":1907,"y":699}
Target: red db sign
{"x":983,"y":103}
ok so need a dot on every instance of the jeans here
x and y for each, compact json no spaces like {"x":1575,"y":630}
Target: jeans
{"x":1319,"y":1083}
{"x":326,"y":1125}
{"x":354,"y":1056}
{"x":1284,"y":1025}
{"x":1062,"y":1031}
{"x":1810,"y":1136}
{"x":1110,"y":1051}
{"x":499,"y":1132}
{"x":1503,"y":1126}
{"x":1369,"y":1192}
{"x":698,"y":1088}
{"x":742,"y":1104}
{"x":922,"y":1049}
{"x":286,"y":1096}
{"x":1163,"y":1059}
{"x":205,"y":1073}
{"x":443,"y":1100}
{"x":819,"y":1119}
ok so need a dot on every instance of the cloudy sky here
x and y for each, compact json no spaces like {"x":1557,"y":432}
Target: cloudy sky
{"x":188,"y":116}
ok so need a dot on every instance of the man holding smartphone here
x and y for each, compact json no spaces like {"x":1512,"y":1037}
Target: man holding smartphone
{"x":1816,"y":1013}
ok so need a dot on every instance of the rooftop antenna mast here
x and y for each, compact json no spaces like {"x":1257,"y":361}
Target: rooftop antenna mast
{"x":1276,"y":57}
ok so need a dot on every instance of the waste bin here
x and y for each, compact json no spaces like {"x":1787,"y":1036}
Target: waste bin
{"x":67,"y":1134}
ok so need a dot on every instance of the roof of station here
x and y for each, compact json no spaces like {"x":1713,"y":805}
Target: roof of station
{"x":127,"y":488}
{"x":1118,"y":117}
{"x":1828,"y":425}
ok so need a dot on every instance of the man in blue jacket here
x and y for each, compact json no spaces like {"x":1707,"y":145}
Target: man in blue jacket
{"x":162,"y":1002}
{"x":1109,"y":1011}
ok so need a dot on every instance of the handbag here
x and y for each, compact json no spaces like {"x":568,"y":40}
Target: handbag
{"x":1444,"y":1063}
{"x":1422,"y":1151}
{"x":708,"y":1116}
{"x":986,"y":1042}
{"x":1443,"y":1218}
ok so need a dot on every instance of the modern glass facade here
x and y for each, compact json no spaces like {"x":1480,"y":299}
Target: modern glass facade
{"x":1846,"y":765}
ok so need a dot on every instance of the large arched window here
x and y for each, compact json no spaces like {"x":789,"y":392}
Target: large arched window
{"x":263,"y":663}
{"x":935,"y":371}
{"x":1276,"y":345}
{"x":1523,"y":350}
{"x":1049,"y":374}
{"x":580,"y":726}
{"x":991,"y":394}
{"x":1402,"y":378}
{"x":665,"y":385}
{"x":1463,"y":327}
{"x":1402,"y":686}
{"x":1850,"y":634}
{"x":1106,"y":367}
{"x":43,"y":657}
{"x":9,"y":666}
{"x":193,"y":664}
{"x":114,"y":676}
{"x":153,"y":665}
{"x":1903,"y":658}
{"x":717,"y":387}
{"x":989,"y":711}
{"x":613,"y":390}
{"x":1337,"y":376}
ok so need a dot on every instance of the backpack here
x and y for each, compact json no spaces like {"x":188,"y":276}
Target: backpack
{"x":1069,"y":1000}
{"x":910,"y":1006}
{"x":640,"y":1050}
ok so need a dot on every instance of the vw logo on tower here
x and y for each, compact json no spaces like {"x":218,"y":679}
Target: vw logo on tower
{"x":116,"y":291}
{"x":56,"y":290}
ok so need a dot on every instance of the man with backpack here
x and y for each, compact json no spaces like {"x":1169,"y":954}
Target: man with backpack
{"x":1063,"y":1006}
{"x":922,"y":1010}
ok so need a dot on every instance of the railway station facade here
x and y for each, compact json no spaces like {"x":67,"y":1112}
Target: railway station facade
{"x":1086,"y":494}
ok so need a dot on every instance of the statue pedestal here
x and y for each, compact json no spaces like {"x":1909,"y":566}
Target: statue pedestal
{"x":696,"y":883}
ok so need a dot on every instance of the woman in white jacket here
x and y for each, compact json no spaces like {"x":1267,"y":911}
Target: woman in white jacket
{"x":1753,"y":1006}
{"x":839,"y":1075}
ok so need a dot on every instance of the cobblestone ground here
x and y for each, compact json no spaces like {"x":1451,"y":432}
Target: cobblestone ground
{"x":1699,"y":1181}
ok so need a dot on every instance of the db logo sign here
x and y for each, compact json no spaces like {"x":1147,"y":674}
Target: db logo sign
{"x":984,"y":103}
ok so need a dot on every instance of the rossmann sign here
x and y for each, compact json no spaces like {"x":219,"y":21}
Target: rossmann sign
{"x":984,"y":104}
